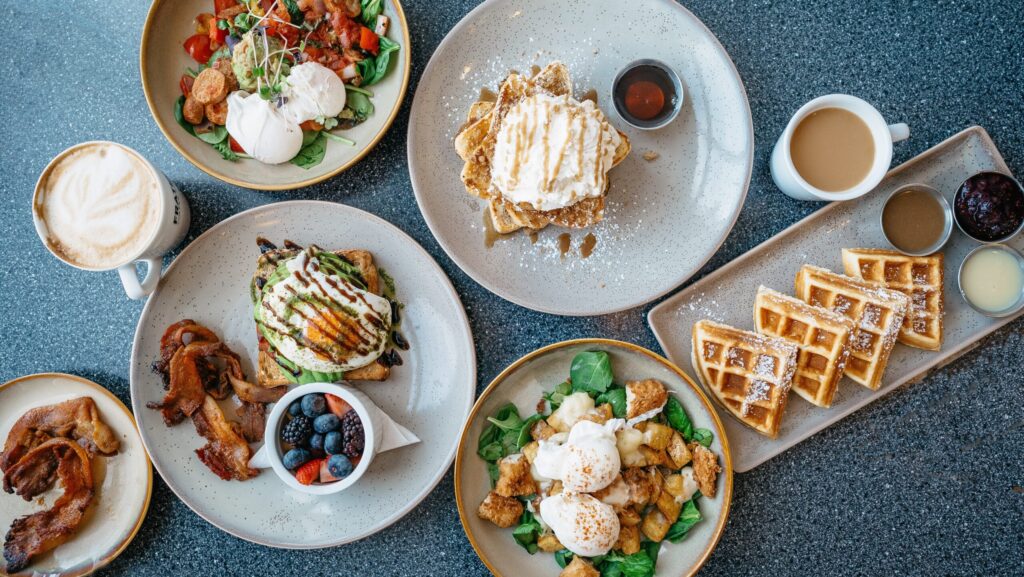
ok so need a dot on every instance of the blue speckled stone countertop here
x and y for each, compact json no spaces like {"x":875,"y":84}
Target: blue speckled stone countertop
{"x":927,"y":481}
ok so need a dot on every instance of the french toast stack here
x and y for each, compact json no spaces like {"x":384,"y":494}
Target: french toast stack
{"x":836,"y":325}
{"x":475,"y":145}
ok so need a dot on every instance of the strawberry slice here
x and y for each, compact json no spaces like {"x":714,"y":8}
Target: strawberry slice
{"x":325,"y":474}
{"x":309,"y":471}
{"x":337,"y":405}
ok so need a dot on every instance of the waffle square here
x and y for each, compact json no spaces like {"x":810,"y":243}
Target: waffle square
{"x":918,"y":277}
{"x":877,"y":311}
{"x":823,"y":337}
{"x":750,"y":374}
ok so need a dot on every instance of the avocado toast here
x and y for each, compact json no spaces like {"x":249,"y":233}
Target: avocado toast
{"x":323,"y":316}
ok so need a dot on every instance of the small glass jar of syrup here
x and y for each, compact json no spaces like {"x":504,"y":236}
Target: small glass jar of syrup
{"x":647,"y":94}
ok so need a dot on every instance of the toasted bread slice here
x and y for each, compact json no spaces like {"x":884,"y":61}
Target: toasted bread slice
{"x":271,"y":374}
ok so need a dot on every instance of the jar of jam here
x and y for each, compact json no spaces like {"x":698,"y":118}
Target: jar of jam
{"x":989,"y":207}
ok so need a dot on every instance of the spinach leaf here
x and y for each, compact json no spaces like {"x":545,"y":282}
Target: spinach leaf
{"x":563,"y":557}
{"x":493,"y":473}
{"x":703,"y":436}
{"x":490,"y":446}
{"x":218,"y":134}
{"x":616,"y":397}
{"x":294,"y":12}
{"x":312,"y":154}
{"x":652,"y":548}
{"x":678,"y":419}
{"x":689,"y":517}
{"x":492,"y":451}
{"x":527,"y":532}
{"x":639,"y":564}
{"x":524,"y":437}
{"x":556,"y":396}
{"x":224,"y":148}
{"x":371,"y":9}
{"x":179,"y":116}
{"x":222,"y":52}
{"x":510,"y":422}
{"x":381,"y":61}
{"x":591,"y":372}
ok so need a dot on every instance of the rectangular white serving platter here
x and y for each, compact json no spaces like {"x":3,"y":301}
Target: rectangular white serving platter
{"x":727,"y":295}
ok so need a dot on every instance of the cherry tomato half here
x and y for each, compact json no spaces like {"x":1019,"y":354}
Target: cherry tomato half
{"x":221,"y":5}
{"x":185,"y":84}
{"x":235,"y":146}
{"x":198,"y":47}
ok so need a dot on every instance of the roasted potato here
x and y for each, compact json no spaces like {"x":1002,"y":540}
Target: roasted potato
{"x":658,"y":436}
{"x":549,"y":543}
{"x":629,"y":539}
{"x":628,"y":517}
{"x":542,"y":431}
{"x":600,"y":414}
{"x":210,"y":86}
{"x":655,"y":457}
{"x":502,"y":511}
{"x":218,"y":112}
{"x":655,"y":525}
{"x":530,"y":451}
{"x":678,"y":451}
{"x":668,"y":506}
{"x":579,"y":568}
{"x":193,"y":111}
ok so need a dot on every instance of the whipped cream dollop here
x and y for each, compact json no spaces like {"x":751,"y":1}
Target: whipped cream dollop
{"x":583,"y":524}
{"x":588,"y":460}
{"x":262,"y":129}
{"x":313,"y":91}
{"x":553,"y":151}
{"x":100,"y":205}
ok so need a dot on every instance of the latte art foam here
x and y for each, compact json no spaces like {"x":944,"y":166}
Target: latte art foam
{"x":101,"y":205}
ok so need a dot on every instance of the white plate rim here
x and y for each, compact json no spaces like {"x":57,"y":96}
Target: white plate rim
{"x":496,"y":289}
{"x":449,"y":459}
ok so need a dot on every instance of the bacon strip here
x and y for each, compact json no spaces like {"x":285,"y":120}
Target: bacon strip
{"x":77,"y":419}
{"x":226,"y":453}
{"x":40,"y":532}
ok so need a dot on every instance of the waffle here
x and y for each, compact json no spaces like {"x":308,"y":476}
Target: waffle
{"x":823,"y":337}
{"x":750,"y":374}
{"x":877,"y":311}
{"x":475,"y":145}
{"x":918,"y":277}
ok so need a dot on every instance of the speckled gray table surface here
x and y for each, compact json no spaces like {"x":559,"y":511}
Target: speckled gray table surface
{"x":927,"y":481}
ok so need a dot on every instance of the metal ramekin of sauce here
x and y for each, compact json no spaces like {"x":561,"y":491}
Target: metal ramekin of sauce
{"x":989,"y":207}
{"x":647,"y":94}
{"x":991,"y":280}
{"x":916,"y":220}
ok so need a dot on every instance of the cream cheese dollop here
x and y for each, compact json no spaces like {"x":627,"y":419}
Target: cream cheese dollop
{"x":553,"y":151}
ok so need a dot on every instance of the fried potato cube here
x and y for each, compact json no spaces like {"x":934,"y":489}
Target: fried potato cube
{"x":655,"y":525}
{"x":658,"y":436}
{"x":210,"y":86}
{"x":629,"y":539}
{"x":514,"y":478}
{"x":628,"y":517}
{"x":655,"y":457}
{"x":542,"y":431}
{"x":641,"y":485}
{"x":502,"y":511}
{"x":579,"y":568}
{"x":600,"y":415}
{"x":628,"y":442}
{"x":705,"y":469}
{"x":644,"y":396}
{"x":549,"y":543}
{"x":668,"y":506}
{"x":530,"y":451}
{"x":678,"y":451}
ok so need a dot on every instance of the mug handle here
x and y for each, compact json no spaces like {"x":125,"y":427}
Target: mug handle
{"x":138,"y":290}
{"x":899,"y":131}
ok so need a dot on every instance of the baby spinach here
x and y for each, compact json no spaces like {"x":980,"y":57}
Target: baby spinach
{"x":360,"y":105}
{"x":311,"y":154}
{"x":527,"y":532}
{"x":558,"y":394}
{"x":615,"y":564}
{"x":217,"y":135}
{"x":591,"y":372}
{"x":678,"y":419}
{"x":370,"y":10}
{"x":179,"y":116}
{"x":616,"y":397}
{"x":563,"y":557}
{"x":294,"y":12}
{"x":689,"y":517}
{"x":222,"y":52}
{"x":373,"y":69}
{"x":703,"y":436}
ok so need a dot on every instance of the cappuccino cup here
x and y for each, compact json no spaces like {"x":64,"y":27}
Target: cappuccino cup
{"x":101,"y":206}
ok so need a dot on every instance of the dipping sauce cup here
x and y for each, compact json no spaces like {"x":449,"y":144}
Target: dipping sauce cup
{"x":989,"y":207}
{"x":991,"y":280}
{"x":916,"y":220}
{"x":647,"y":94}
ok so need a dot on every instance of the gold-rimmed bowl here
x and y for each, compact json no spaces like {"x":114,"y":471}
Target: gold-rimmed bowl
{"x":522,"y":383}
{"x":163,"y":60}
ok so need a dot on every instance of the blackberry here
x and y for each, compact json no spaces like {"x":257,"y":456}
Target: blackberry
{"x":298,"y":430}
{"x":355,"y":439}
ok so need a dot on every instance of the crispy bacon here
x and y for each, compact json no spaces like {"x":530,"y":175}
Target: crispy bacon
{"x":252,"y":420}
{"x":77,"y":419}
{"x":226,"y":453}
{"x":176,"y":336}
{"x":40,"y":532}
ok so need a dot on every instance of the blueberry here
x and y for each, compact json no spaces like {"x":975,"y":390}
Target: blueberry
{"x":296,"y":458}
{"x":339,"y":466}
{"x":334,"y":442}
{"x":316,"y":442}
{"x":295,"y":409}
{"x":314,"y":405}
{"x":326,"y":423}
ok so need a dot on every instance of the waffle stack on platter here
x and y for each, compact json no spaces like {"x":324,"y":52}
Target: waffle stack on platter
{"x":835,"y":325}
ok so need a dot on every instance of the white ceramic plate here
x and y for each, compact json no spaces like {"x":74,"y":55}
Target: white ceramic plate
{"x":430,"y":393}
{"x":123,"y":483}
{"x":727,"y":295}
{"x":522,"y":383}
{"x":163,"y":61}
{"x":664,"y":218}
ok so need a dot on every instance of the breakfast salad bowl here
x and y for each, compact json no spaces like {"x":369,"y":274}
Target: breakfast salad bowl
{"x":274,"y":94}
{"x":596,"y":455}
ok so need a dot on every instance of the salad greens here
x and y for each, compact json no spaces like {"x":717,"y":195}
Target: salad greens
{"x":508,"y":432}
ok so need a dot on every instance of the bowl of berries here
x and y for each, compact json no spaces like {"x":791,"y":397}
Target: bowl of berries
{"x":321,"y":437}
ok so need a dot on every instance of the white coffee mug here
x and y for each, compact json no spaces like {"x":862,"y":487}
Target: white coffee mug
{"x":166,"y":232}
{"x":784,"y":172}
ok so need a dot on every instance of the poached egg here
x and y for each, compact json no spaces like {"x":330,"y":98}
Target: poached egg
{"x":583,"y":524}
{"x":261,"y":129}
{"x":588,"y":461}
{"x":313,"y":91}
